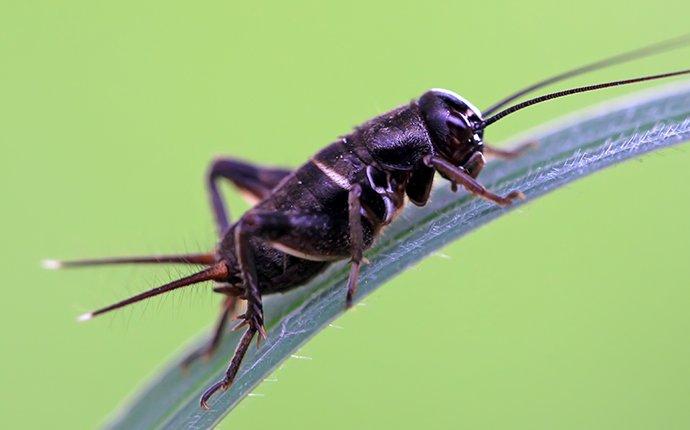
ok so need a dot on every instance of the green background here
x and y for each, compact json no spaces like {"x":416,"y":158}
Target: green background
{"x":571,"y":312}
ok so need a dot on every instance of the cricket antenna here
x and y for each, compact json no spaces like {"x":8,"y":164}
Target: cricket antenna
{"x":657,"y":48}
{"x":487,"y":122}
{"x":217,"y":272}
{"x":204,"y":259}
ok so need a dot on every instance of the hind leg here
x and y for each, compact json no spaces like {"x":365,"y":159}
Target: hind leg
{"x":304,"y":236}
{"x":254,"y":182}
{"x":318,"y":237}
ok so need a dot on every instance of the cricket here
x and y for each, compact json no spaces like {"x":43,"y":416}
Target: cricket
{"x":334,"y":206}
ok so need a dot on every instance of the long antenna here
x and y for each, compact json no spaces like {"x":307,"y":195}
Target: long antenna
{"x":571,"y":91}
{"x":204,"y":259}
{"x":217,"y":272}
{"x":646,"y":51}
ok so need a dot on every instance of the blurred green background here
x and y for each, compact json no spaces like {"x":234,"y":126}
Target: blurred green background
{"x":571,"y":312}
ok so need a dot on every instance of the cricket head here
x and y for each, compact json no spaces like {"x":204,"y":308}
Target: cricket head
{"x":456,"y":128}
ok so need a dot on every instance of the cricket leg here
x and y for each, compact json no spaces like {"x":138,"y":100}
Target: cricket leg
{"x":271,"y":227}
{"x":419,"y":185}
{"x":254,"y":182}
{"x":509,"y":154}
{"x":253,"y":317}
{"x":206,"y":351}
{"x":356,"y":241}
{"x":304,"y":236}
{"x":459,"y":176}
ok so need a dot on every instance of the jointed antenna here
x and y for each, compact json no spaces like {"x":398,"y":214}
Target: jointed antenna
{"x":646,"y":51}
{"x":571,"y":91}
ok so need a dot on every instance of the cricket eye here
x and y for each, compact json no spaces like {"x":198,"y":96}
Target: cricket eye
{"x":460,"y":129}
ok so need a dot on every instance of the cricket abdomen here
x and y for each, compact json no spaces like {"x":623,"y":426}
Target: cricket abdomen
{"x":319,"y":189}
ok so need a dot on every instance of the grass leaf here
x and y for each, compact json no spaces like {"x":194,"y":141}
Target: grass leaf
{"x":568,"y":150}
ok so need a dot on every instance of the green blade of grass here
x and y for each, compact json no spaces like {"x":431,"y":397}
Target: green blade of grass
{"x":568,"y":150}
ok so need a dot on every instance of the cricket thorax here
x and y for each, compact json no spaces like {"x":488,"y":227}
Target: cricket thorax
{"x":396,"y":140}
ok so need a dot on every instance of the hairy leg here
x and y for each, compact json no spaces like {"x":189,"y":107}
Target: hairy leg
{"x":274,"y":228}
{"x":458,"y":175}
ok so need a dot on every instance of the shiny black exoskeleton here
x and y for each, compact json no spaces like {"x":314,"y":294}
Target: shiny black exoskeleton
{"x":331,"y":208}
{"x":334,"y":206}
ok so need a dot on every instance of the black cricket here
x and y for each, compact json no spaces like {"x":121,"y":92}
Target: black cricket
{"x":335,"y":205}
